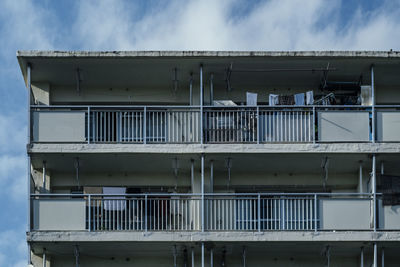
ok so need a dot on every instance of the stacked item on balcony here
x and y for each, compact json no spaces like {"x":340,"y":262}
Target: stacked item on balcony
{"x":299,"y":99}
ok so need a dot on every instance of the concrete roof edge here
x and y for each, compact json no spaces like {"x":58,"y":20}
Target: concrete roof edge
{"x":122,"y":54}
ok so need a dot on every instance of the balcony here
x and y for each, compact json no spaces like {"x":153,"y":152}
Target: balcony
{"x":212,"y":212}
{"x":211,"y":125}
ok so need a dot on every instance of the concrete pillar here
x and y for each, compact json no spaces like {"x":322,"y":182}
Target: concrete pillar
{"x":202,"y":193}
{"x":374,"y":191}
{"x":375,"y":264}
{"x":373,"y":103}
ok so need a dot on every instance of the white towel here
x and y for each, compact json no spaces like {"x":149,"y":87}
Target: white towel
{"x":251,"y":99}
{"x":299,"y":99}
{"x":309,"y":97}
{"x":114,"y":204}
{"x":273,"y":100}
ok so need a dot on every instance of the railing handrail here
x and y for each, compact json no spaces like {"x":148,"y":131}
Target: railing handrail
{"x":199,"y":195}
{"x":214,"y":107}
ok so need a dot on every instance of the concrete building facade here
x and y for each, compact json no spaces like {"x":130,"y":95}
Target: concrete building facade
{"x":200,"y":158}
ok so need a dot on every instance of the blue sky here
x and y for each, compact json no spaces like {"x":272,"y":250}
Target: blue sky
{"x":160,"y":25}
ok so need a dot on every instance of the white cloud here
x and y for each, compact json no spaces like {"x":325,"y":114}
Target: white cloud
{"x":209,"y":25}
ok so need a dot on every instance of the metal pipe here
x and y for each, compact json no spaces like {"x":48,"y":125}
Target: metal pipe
{"x":244,"y":256}
{"x":44,"y":258}
{"x":362,"y":257}
{"x":28,"y":85}
{"x":192,"y":257}
{"x":373,"y":102}
{"x":212,"y":257}
{"x":88,"y":126}
{"x":191,"y":89}
{"x":78,"y":82}
{"x":374,"y":189}
{"x":201,"y":104}
{"x":202,"y":254}
{"x":175,"y":256}
{"x":211,"y":89}
{"x":360,"y":181}
{"x":202,"y":192}
{"x":375,"y":255}
{"x":211,"y":176}
{"x":44,"y":177}
{"x":76,"y":252}
{"x":382,"y":168}
{"x":383,"y":257}
{"x":192,"y":174}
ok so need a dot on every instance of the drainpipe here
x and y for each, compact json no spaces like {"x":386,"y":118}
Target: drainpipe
{"x":28,"y":85}
{"x":44,"y":177}
{"x":192,"y":174}
{"x":362,"y":257}
{"x":360,"y":190}
{"x":383,"y":257}
{"x":211,"y":89}
{"x":373,"y":102}
{"x":211,"y":176}
{"x":244,"y":256}
{"x":374,"y":189}
{"x":202,"y":254}
{"x":44,"y":257}
{"x":201,"y":104}
{"x":375,"y":255}
{"x":212,"y":257}
{"x":191,"y":89}
{"x":202,"y":192}
{"x":192,"y":257}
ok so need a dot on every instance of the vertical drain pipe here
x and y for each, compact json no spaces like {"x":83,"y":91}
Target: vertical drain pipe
{"x":191,"y":89}
{"x":375,"y":255}
{"x":212,"y":257}
{"x":202,"y":192}
{"x":374,"y":189}
{"x":201,"y":104}
{"x":44,"y":177}
{"x":76,"y":252}
{"x":192,"y":257}
{"x":244,"y":256}
{"x":175,"y":256}
{"x":202,"y":254}
{"x":192,"y":174}
{"x":44,"y":257}
{"x":373,"y":102}
{"x":211,"y":89}
{"x":362,"y":257}
{"x":360,"y":181}
{"x":383,"y":257}
{"x":211,"y":176}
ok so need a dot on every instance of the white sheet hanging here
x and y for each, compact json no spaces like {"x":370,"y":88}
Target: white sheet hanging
{"x":114,"y":204}
{"x":309,"y":98}
{"x":251,"y":99}
{"x":273,"y":100}
{"x":299,"y":99}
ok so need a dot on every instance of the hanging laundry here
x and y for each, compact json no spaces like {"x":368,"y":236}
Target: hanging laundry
{"x":273,"y":100}
{"x":286,"y":100}
{"x":299,"y":99}
{"x":251,"y":99}
{"x":309,"y":97}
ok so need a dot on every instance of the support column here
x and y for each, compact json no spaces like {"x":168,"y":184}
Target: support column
{"x":374,"y":190}
{"x":202,"y":192}
{"x":362,"y":257}
{"x":211,"y":89}
{"x":244,"y":256}
{"x":191,"y":89}
{"x":201,"y":104}
{"x":44,"y":178}
{"x":375,"y":255}
{"x":373,"y":102}
{"x":28,"y":85}
{"x":76,"y":252}
{"x":383,"y":257}
{"x":212,"y":257}
{"x":192,"y":257}
{"x":211,"y":176}
{"x":202,"y":254}
{"x":44,"y":257}
{"x":360,"y":180}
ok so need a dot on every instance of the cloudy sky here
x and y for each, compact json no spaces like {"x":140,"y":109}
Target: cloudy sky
{"x":160,"y":25}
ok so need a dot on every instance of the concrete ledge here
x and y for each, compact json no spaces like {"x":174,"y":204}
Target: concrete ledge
{"x":278,"y":236}
{"x":216,"y":148}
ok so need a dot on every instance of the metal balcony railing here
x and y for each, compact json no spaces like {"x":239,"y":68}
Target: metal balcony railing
{"x":184,"y":212}
{"x":237,"y":124}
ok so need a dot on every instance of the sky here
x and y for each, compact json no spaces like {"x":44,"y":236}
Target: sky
{"x":159,"y":25}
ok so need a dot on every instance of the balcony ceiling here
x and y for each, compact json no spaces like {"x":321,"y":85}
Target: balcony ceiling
{"x":158,"y":71}
{"x":241,"y":163}
{"x":165,"y":249}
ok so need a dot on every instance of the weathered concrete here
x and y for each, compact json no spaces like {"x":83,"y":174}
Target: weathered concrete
{"x":273,"y":236}
{"x":121,"y":54}
{"x":217,"y":148}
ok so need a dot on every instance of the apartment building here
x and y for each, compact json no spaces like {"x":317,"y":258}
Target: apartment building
{"x":200,"y":158}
